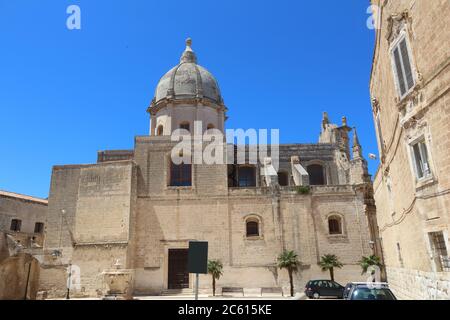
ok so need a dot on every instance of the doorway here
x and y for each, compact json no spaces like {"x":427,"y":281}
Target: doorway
{"x":178,"y":269}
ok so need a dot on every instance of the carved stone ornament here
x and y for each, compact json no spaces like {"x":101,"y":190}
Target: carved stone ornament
{"x":396,"y":23}
{"x":375,"y":105}
{"x":413,"y":100}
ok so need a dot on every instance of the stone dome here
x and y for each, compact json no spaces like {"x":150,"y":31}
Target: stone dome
{"x":188,"y":80}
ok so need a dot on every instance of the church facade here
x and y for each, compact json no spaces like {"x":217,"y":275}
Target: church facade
{"x":142,"y":209}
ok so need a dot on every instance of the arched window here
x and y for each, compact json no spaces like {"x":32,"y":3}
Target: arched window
{"x":335,"y":225}
{"x":247,"y":176}
{"x":252,"y":228}
{"x":160,"y":130}
{"x":283,"y":178}
{"x":316,"y":175}
{"x":185,"y":125}
{"x":180,"y":175}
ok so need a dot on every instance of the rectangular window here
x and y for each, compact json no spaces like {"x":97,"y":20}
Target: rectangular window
{"x":16,"y":224}
{"x":247,"y":176}
{"x":180,"y":175}
{"x":252,"y":229}
{"x":38,"y":227}
{"x":421,"y":163}
{"x":403,"y":67}
{"x":440,"y":251}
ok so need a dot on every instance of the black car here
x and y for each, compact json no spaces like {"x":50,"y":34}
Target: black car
{"x":368,"y":291}
{"x":323,"y":288}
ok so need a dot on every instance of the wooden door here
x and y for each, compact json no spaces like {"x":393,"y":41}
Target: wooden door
{"x":178,"y":269}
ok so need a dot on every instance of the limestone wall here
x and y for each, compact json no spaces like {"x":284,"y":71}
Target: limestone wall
{"x":408,"y":209}
{"x":90,"y":223}
{"x":300,"y":224}
{"x":27,"y":209}
{"x":126,"y":210}
{"x":419,"y":285}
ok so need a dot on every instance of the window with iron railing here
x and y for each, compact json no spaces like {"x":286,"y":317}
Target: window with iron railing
{"x":440,"y":251}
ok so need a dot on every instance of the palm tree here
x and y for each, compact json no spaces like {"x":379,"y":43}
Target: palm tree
{"x":329,"y":262}
{"x":215,"y":269}
{"x":367,"y":262}
{"x":288,"y":260}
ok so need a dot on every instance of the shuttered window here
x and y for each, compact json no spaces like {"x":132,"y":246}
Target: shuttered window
{"x":406,"y":64}
{"x":403,"y":67}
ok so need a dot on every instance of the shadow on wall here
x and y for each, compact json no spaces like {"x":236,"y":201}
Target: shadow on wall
{"x":4,"y":252}
{"x":19,"y":277}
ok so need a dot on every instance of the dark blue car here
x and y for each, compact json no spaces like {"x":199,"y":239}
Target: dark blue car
{"x":315,"y":289}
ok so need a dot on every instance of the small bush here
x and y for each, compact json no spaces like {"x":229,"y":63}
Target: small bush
{"x":303,"y":189}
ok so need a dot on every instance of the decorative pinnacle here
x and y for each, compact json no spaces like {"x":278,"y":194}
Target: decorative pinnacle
{"x":325,"y":120}
{"x":188,"y":54}
{"x":355,"y":138}
{"x":357,"y":150}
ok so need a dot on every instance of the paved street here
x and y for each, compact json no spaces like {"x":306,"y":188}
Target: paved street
{"x":299,"y":296}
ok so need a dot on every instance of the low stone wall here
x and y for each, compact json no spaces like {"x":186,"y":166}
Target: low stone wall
{"x":418,"y":285}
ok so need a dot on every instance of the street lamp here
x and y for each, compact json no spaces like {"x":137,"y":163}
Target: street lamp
{"x":69,"y":281}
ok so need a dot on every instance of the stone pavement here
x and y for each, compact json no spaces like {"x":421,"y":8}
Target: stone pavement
{"x":298,"y":296}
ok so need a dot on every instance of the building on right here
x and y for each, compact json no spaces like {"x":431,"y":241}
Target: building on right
{"x":410,"y":100}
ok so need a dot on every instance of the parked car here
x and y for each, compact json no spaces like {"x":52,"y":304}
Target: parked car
{"x":368,"y":291}
{"x":323,"y":288}
{"x":347,"y":290}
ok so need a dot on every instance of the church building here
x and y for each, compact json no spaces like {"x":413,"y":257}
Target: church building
{"x":139,"y":209}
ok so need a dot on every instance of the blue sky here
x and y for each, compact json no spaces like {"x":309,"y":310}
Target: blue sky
{"x":65,"y":94}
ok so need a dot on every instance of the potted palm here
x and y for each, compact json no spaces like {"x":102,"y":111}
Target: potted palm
{"x":329,"y":262}
{"x":288,"y":260}
{"x":215,"y":269}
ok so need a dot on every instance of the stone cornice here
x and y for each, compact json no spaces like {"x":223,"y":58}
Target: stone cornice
{"x":204,"y":101}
